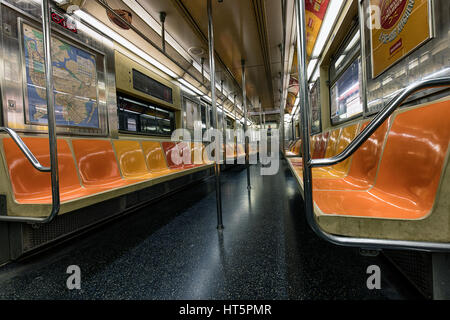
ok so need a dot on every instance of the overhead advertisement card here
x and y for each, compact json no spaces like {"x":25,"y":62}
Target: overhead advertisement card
{"x":314,"y":13}
{"x":397,"y":28}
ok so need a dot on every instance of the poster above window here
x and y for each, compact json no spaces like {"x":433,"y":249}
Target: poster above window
{"x":397,"y":28}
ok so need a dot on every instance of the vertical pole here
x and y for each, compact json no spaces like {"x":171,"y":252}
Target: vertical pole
{"x":282,"y":47}
{"x":223,"y":123}
{"x":292,"y":128}
{"x":54,"y":173}
{"x":281,"y":115}
{"x":162,"y":18}
{"x":246,"y":142}
{"x":235,"y":118}
{"x":260,"y":114}
{"x":363,"y":56}
{"x":212,"y":70}
{"x":304,"y":105}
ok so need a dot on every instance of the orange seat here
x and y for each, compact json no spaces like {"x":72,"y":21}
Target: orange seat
{"x":187,"y":154}
{"x":339,"y":170}
{"x":240,"y":150}
{"x":409,"y":172}
{"x":312,"y":143}
{"x":206,"y":159}
{"x":131,"y":160}
{"x":230,"y":151}
{"x":197,"y":153}
{"x":289,"y":145}
{"x":97,"y":164}
{"x":154,"y":156}
{"x":295,"y":151}
{"x":32,"y":186}
{"x":174,"y":155}
{"x":320,"y":146}
{"x":363,"y":167}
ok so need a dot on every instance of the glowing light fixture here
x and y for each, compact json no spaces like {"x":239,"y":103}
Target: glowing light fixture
{"x":330,"y":18}
{"x":124,"y":42}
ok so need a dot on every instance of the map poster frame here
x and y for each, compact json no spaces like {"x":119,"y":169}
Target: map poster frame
{"x":101,"y":127}
{"x":401,"y":31}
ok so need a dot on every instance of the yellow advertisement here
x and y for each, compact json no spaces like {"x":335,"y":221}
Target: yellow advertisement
{"x":314,"y":13}
{"x":397,"y":28}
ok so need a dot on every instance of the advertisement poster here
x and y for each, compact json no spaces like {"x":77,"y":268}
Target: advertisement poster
{"x":315,"y":12}
{"x":397,"y":28}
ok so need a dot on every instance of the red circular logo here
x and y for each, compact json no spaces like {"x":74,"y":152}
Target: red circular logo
{"x":391,"y":12}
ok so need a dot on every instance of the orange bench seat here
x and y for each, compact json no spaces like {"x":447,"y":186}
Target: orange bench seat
{"x":97,"y":164}
{"x":32,"y":186}
{"x":409,"y":169}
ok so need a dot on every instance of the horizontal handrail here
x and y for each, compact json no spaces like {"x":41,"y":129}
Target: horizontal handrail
{"x":376,"y":122}
{"x":367,"y":243}
{"x":23,"y":147}
{"x":370,"y":243}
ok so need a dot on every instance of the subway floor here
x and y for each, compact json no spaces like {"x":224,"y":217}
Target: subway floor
{"x":171,"y":249}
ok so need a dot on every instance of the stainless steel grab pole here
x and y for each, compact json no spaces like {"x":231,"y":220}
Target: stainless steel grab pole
{"x":304,"y":102}
{"x":246,"y":138}
{"x":212,"y":70}
{"x":51,"y":127}
{"x":366,"y":243}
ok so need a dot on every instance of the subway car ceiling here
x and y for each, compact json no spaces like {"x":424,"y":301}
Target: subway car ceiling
{"x":185,"y":60}
{"x":346,"y":82}
{"x":248,"y":35}
{"x":134,"y":28}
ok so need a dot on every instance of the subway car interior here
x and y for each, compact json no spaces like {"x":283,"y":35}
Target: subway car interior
{"x":225,"y":150}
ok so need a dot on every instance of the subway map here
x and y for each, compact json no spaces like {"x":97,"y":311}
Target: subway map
{"x":74,"y":77}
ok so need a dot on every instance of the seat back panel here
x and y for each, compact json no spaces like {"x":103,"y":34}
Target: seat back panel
{"x":415,"y":153}
{"x":346,"y":136}
{"x":174,"y":155}
{"x":154,"y":155}
{"x":27,"y":182}
{"x":131,"y":158}
{"x":366,"y":159}
{"x":96,"y":161}
{"x":332,"y":143}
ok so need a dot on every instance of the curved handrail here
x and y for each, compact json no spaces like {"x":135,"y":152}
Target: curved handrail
{"x":54,"y":174}
{"x":23,"y":147}
{"x":379,"y":120}
{"x":368,"y":243}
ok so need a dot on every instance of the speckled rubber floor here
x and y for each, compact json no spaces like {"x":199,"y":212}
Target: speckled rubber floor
{"x":172,"y":250}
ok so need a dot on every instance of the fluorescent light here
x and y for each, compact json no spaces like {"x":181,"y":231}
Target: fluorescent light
{"x":330,"y":17}
{"x":339,"y":60}
{"x":207,"y":98}
{"x":315,"y":75}
{"x":311,"y":66}
{"x":297,"y":100}
{"x":190,"y":86}
{"x":124,"y":42}
{"x":185,"y":89}
{"x":352,"y":42}
{"x":296,"y":103}
{"x":155,"y":25}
